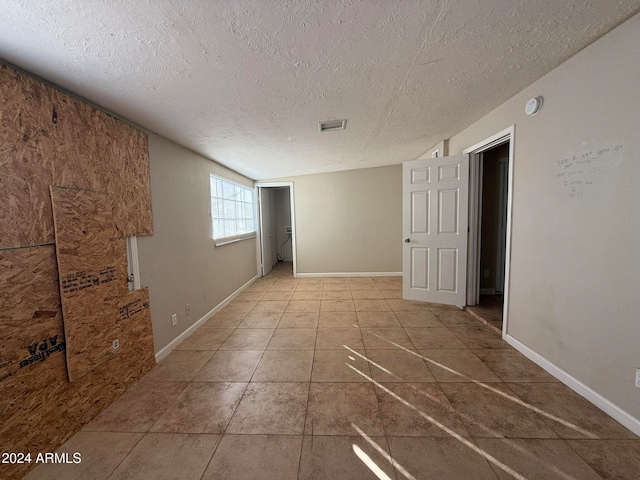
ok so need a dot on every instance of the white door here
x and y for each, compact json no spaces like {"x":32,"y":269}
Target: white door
{"x":435,"y":210}
{"x":266,"y":233}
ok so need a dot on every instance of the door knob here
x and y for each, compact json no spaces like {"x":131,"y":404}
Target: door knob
{"x":407,"y":240}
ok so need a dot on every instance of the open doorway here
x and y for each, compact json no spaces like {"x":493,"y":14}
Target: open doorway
{"x":443,"y":237}
{"x":276,"y":227}
{"x":490,"y":184}
{"x":492,"y":208}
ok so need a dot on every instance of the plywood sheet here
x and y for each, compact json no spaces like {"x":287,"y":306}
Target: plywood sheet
{"x":96,"y":151}
{"x":134,"y":324}
{"x":26,"y":160}
{"x":40,"y":419}
{"x":48,"y":137}
{"x":39,"y":408}
{"x":132,"y":191}
{"x":92,"y":267}
{"x":32,"y":342}
{"x":26,"y":112}
{"x":81,"y":145}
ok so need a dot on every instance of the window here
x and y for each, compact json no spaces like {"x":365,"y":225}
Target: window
{"x":232,"y":211}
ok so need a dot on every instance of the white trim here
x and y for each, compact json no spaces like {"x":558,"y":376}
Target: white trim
{"x":508,"y":134}
{"x":604,"y":404}
{"x":507,"y":256}
{"x":134,"y":261}
{"x":258,"y":197}
{"x":351,"y":274}
{"x":227,"y":240}
{"x":492,"y":141}
{"x":474,"y":224}
{"x":294,"y":249}
{"x":503,"y":165}
{"x":187,"y":333}
{"x":487,"y":291}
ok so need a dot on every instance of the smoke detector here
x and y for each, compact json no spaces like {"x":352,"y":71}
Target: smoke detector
{"x":331,"y":125}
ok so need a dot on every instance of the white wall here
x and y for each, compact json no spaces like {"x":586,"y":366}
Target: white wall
{"x":575,"y":262}
{"x":180,"y":263}
{"x":349,"y":221}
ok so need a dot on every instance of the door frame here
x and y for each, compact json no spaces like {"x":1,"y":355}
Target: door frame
{"x":502,"y":224}
{"x":133,"y":264}
{"x":257,"y":186}
{"x":261,"y":196}
{"x":475,"y":179}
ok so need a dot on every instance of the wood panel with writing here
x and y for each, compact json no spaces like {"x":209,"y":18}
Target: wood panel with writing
{"x":92,"y":267}
{"x":39,"y":408}
{"x":48,"y":137}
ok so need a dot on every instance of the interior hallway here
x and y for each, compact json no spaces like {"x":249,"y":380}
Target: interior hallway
{"x":489,"y":311}
{"x":339,"y":378}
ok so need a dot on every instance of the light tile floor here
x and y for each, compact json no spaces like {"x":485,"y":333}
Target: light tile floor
{"x":489,"y":310}
{"x":339,"y":378}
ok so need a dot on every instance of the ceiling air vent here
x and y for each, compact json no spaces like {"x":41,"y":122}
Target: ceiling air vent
{"x":332,"y":125}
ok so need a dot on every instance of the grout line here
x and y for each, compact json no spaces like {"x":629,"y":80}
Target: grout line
{"x":212,"y":454}
{"x":478,"y":317}
{"x":127,"y":455}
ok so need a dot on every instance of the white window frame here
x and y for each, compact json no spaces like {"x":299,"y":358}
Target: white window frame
{"x":224,"y":240}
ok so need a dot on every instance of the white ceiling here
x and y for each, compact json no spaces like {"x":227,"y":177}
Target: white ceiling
{"x":245,"y":82}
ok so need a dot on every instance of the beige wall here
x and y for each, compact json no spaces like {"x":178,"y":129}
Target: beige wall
{"x":349,"y":221}
{"x":442,"y":148}
{"x":180,"y":263}
{"x":575,"y":267}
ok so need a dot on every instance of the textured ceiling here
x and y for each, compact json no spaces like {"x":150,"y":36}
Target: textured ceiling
{"x":245,"y":82}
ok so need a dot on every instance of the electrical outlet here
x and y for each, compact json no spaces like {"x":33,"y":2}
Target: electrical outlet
{"x":637,"y":377}
{"x":187,"y":309}
{"x":116,"y":344}
{"x":174,"y":319}
{"x":486,"y":273}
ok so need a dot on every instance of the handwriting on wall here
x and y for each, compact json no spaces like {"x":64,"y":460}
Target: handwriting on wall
{"x":582,"y":174}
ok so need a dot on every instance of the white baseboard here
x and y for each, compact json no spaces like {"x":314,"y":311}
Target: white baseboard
{"x":351,"y":274}
{"x":176,"y":341}
{"x":487,"y":291}
{"x":608,"y":407}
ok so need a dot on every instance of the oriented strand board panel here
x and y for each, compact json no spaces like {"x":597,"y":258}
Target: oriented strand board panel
{"x":32,"y":359}
{"x":32,"y":343}
{"x":39,"y":408}
{"x":108,"y":156}
{"x":48,"y":137}
{"x":42,"y":420}
{"x":81,"y":154}
{"x":92,"y":267}
{"x":134,"y":325}
{"x":132,"y":192}
{"x":26,"y":160}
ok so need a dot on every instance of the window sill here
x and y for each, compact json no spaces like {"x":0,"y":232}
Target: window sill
{"x":218,"y":242}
